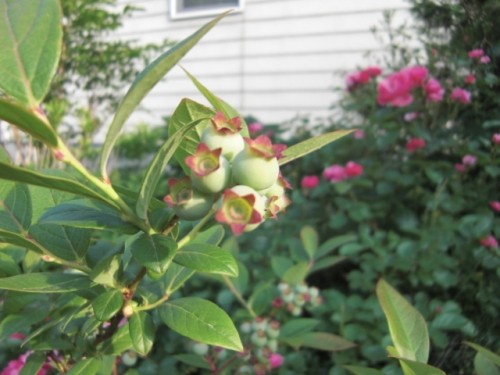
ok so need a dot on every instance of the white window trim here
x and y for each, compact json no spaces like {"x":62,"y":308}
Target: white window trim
{"x":177,"y":14}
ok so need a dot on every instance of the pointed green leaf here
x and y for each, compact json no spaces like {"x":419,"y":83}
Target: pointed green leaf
{"x":310,"y":240}
{"x":28,"y":121}
{"x":46,"y":282}
{"x":142,"y":332}
{"x":43,"y":199}
{"x":157,"y":167}
{"x":65,"y":243}
{"x":297,"y":327}
{"x":357,"y":370}
{"x":207,"y":258}
{"x":12,"y":173}
{"x":4,"y":155}
{"x":106,"y":305}
{"x":418,"y":368}
{"x":312,"y":144}
{"x":107,"y":271}
{"x":296,"y":274}
{"x":333,"y":243}
{"x":483,"y":366}
{"x":154,"y":252}
{"x":219,"y":104}
{"x":406,"y":325}
{"x":175,"y":277}
{"x":118,"y":343}
{"x":33,"y":364}
{"x":144,"y":82}
{"x":495,"y":358}
{"x":29,"y":48}
{"x":186,"y":113}
{"x":18,"y":240}
{"x":84,"y":213}
{"x":319,"y":340}
{"x":327,"y":262}
{"x":15,"y":209}
{"x":201,"y":320}
{"x":88,"y":366}
{"x":193,"y":360}
{"x":211,"y":236}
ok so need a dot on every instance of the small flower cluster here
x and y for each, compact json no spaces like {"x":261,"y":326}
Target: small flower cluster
{"x":241,"y":175}
{"x":478,"y":54}
{"x":297,"y":297}
{"x":338,"y":173}
{"x":396,"y":89}
{"x":262,"y":357}
{"x":468,"y":161}
{"x":362,"y":77}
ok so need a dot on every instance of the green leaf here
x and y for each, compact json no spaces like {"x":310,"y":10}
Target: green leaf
{"x":4,"y":155}
{"x":107,"y":271}
{"x":211,"y":236}
{"x":106,"y":305}
{"x":193,"y":360}
{"x":144,"y":82}
{"x":142,"y":332}
{"x":312,"y":144}
{"x":319,"y":340}
{"x":357,"y":370}
{"x":207,"y":258}
{"x":16,"y":210}
{"x":219,"y":104}
{"x":495,"y":358}
{"x":88,"y":366}
{"x":67,"y":243}
{"x":418,"y":368}
{"x":19,"y":322}
{"x":84,"y":213}
{"x":310,"y":240}
{"x":297,"y":327}
{"x":18,"y":240}
{"x":157,"y":167}
{"x":483,"y":366}
{"x":296,"y":274}
{"x":42,"y":199}
{"x":46,"y":282}
{"x":118,"y":343}
{"x":12,"y":173}
{"x":154,"y":252}
{"x":333,"y":243}
{"x":28,"y":121}
{"x":201,"y":320}
{"x":327,"y":262}
{"x":33,"y":364}
{"x":406,"y":325}
{"x":186,"y":113}
{"x":175,"y":277}
{"x":29,"y":48}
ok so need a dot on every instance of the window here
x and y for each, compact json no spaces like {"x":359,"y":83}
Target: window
{"x":200,"y":8}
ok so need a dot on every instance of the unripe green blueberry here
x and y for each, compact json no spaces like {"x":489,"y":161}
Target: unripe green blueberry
{"x":200,"y":348}
{"x":129,"y":358}
{"x":259,"y":324}
{"x":231,"y":144}
{"x":273,"y":345}
{"x":246,"y":327}
{"x":254,"y":170}
{"x":215,"y":181}
{"x":259,"y":338}
{"x":301,"y":288}
{"x":245,"y":370}
{"x":195,"y":208}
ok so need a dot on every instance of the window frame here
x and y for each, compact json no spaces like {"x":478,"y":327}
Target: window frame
{"x":180,"y":14}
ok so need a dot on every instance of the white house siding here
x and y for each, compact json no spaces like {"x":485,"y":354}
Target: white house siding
{"x":274,"y":60}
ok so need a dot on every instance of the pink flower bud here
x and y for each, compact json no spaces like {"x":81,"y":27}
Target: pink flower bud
{"x":476,"y":53}
{"x":309,"y":182}
{"x":469,"y":160}
{"x":433,"y":90}
{"x":359,"y":134}
{"x":255,"y":127}
{"x":460,"y":168}
{"x":276,"y":360}
{"x":334,"y":173}
{"x":415,"y":144}
{"x":353,"y":169}
{"x":484,"y":60}
{"x":470,"y":79}
{"x":489,"y":241}
{"x":495,"y":138}
{"x":495,"y":206}
{"x":410,"y":116}
{"x":460,"y":95}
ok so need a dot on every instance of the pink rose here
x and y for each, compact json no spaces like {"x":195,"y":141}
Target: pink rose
{"x":415,"y":144}
{"x":495,"y":138}
{"x":276,"y":360}
{"x":395,"y":90}
{"x":362,"y":77}
{"x":309,"y":182}
{"x":353,"y":169}
{"x":417,"y":74}
{"x":433,"y":90}
{"x":485,"y":60}
{"x":489,"y":241}
{"x":334,"y":173}
{"x":460,"y":95}
{"x":469,"y":160}
{"x":476,"y":53}
{"x":470,"y":79}
{"x":495,"y":206}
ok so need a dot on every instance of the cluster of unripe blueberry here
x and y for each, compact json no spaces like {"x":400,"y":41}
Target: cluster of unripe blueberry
{"x":297,"y":297}
{"x":239,"y":174}
{"x":261,"y":356}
